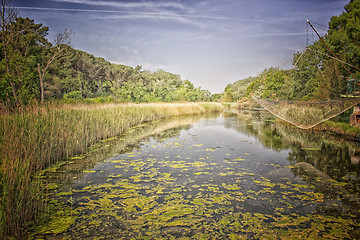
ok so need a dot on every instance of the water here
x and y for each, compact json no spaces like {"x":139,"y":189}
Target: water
{"x":225,"y":176}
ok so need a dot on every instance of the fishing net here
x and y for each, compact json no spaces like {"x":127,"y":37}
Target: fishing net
{"x":307,"y":114}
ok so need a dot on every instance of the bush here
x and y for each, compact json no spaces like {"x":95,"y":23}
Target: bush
{"x":73,"y":95}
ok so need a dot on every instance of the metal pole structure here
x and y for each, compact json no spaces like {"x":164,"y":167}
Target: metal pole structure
{"x":329,"y":48}
{"x":307,"y":35}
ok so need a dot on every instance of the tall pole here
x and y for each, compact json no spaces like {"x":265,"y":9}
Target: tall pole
{"x":307,"y":34}
{"x":329,"y":48}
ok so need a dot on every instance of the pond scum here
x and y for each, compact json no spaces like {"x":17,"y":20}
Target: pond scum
{"x":32,"y":138}
{"x":160,"y":191}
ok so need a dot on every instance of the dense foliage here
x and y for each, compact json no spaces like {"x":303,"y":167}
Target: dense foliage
{"x":74,"y":74}
{"x":23,"y":46}
{"x":77,"y":74}
{"x":317,"y":73}
{"x":237,"y":90}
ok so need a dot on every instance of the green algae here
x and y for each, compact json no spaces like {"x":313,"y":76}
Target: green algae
{"x":146,"y":195}
{"x":58,"y":223}
{"x":52,"y":186}
{"x":60,"y":218}
{"x":78,"y":157}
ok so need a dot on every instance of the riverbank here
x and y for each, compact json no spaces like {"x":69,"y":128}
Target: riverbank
{"x":34,"y":137}
{"x":342,"y":129}
{"x":335,"y":128}
{"x":345,"y":130}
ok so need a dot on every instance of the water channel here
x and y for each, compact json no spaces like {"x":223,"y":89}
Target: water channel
{"x":231,"y":175}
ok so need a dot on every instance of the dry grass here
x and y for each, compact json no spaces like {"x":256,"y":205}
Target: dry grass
{"x":247,"y":103}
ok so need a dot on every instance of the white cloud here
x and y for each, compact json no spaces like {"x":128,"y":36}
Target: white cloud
{"x":126,"y":5}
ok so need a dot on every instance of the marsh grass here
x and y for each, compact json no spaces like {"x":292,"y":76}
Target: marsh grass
{"x":34,"y":137}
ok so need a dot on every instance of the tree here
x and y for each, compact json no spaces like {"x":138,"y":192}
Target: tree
{"x":61,"y":39}
{"x":273,"y":84}
{"x":22,"y":41}
{"x":331,"y":82}
{"x":228,"y":96}
{"x":344,"y":34}
{"x":8,"y":16}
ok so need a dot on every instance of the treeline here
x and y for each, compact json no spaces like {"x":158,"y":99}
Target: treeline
{"x":317,"y":73}
{"x":79,"y":75}
{"x":31,"y":68}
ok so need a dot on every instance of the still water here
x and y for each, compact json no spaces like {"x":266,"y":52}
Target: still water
{"x":234,"y":175}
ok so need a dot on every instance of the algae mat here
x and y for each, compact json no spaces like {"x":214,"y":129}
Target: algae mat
{"x":210,"y":180}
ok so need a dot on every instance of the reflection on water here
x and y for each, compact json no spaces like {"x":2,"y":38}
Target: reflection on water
{"x":330,"y":154}
{"x":222,"y":177}
{"x":73,"y":169}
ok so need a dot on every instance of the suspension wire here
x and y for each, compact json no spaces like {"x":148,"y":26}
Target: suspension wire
{"x":319,"y":25}
{"x":285,"y":62}
{"x":312,"y":37}
{"x":334,"y":58}
{"x":329,"y":48}
{"x":290,"y":60}
{"x":302,"y":53}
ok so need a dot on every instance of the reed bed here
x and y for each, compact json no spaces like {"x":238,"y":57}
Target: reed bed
{"x":34,"y":137}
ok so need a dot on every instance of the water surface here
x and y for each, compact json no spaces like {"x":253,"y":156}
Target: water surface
{"x":222,"y":176}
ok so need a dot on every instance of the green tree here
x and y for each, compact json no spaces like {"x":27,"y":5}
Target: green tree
{"x":344,"y":35}
{"x":52,"y":55}
{"x":228,"y":95}
{"x":274,"y":83}
{"x":7,"y":84}
{"x":307,"y":65}
{"x":24,"y":43}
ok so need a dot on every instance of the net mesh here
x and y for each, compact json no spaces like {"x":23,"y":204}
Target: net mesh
{"x":307,"y":114}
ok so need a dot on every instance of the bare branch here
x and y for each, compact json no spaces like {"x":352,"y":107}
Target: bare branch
{"x":8,"y":14}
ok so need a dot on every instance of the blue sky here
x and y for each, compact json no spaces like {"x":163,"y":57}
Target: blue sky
{"x":209,"y":42}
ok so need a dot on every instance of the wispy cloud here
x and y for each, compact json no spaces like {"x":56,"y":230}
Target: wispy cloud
{"x":125,"y":14}
{"x":127,"y":5}
{"x":146,"y":9}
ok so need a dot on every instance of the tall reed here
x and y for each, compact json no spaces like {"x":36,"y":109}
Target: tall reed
{"x":32,"y":138}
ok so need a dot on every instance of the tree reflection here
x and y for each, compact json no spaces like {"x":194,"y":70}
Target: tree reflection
{"x":331,"y":155}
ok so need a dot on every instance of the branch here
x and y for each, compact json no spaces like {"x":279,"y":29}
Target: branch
{"x":64,"y":38}
{"x":61,"y":38}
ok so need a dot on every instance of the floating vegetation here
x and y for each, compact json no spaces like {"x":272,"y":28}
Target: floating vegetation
{"x":214,"y":190}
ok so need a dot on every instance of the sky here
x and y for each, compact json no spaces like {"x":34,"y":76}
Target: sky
{"x":211,"y":43}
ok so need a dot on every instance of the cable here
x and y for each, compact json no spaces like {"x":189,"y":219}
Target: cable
{"x":334,"y":58}
{"x":302,"y":53}
{"x":329,"y":48}
{"x":323,"y":27}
